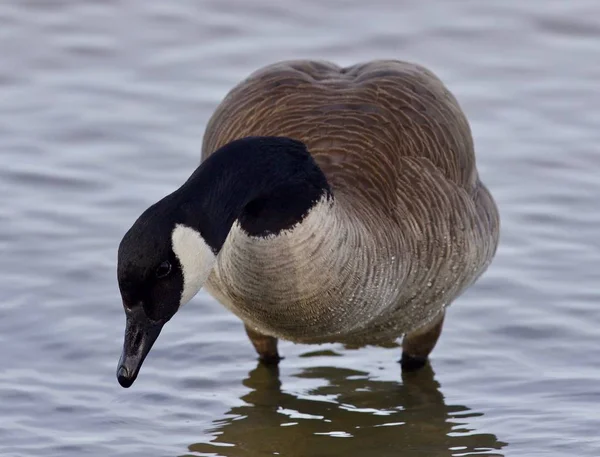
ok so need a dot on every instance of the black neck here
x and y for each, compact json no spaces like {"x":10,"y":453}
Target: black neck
{"x":267,"y":184}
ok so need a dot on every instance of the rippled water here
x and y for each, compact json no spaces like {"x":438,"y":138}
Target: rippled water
{"x":102,"y":111}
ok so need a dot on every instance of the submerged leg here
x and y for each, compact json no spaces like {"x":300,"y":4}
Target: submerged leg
{"x":418,"y":344}
{"x":266,"y":346}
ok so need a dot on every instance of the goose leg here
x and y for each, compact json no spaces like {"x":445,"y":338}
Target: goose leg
{"x":417,"y":345}
{"x":266,"y":346}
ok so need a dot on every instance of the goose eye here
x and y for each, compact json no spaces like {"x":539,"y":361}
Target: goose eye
{"x":163,"y":269}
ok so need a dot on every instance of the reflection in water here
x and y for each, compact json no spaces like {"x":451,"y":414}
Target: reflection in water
{"x":351,"y":415}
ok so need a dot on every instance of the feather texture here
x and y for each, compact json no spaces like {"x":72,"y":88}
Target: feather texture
{"x":410,"y":226}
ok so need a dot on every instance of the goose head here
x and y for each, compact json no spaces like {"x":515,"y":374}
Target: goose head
{"x":162,"y":264}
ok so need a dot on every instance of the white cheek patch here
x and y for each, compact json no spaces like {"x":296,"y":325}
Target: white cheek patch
{"x":195,"y":257}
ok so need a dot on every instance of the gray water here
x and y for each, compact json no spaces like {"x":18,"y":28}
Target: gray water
{"x":102,"y":112}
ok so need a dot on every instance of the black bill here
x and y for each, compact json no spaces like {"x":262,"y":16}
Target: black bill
{"x":140,"y":335}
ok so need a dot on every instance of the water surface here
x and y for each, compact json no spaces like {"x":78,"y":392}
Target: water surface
{"x":102,"y":111}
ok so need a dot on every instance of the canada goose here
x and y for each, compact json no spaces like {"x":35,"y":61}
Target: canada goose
{"x":332,"y":205}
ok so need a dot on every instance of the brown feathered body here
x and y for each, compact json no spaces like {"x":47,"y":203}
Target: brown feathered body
{"x":410,"y":226}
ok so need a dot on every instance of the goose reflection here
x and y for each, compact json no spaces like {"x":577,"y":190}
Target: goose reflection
{"x":351,"y":415}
